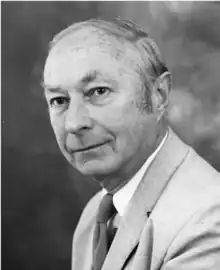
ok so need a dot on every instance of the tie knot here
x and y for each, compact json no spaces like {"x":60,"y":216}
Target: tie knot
{"x":106,"y":209}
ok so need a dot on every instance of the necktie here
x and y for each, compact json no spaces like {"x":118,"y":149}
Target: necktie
{"x":100,"y":241}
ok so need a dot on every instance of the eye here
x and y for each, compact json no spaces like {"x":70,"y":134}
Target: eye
{"x":98,"y":92}
{"x":59,"y":101}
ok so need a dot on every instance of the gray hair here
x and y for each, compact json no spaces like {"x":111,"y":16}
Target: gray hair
{"x":152,"y":64}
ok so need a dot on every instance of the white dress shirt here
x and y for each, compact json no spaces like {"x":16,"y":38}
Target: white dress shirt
{"x":123,"y":196}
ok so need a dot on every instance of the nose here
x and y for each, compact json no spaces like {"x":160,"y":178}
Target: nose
{"x":77,"y":119}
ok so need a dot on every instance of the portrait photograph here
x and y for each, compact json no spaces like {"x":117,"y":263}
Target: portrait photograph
{"x":110,"y":115}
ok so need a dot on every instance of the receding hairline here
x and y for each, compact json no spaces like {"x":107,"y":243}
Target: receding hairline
{"x":79,"y":35}
{"x":113,"y":27}
{"x":95,"y":32}
{"x":122,"y":31}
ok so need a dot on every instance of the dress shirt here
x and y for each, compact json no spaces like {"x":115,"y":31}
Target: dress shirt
{"x":123,"y":196}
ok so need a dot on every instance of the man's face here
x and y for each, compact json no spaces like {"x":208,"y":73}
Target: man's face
{"x":94,"y":102}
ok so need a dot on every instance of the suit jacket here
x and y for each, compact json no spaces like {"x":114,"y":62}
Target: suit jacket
{"x":172,"y":221}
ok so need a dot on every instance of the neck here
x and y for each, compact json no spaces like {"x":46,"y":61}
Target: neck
{"x":115,"y":181}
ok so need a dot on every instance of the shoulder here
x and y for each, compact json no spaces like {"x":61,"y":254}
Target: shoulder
{"x":89,"y":212}
{"x":82,"y":238}
{"x":194,"y":185}
{"x":195,"y":241}
{"x":189,"y":209}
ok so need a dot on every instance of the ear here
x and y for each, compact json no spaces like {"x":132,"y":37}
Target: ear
{"x":162,"y":89}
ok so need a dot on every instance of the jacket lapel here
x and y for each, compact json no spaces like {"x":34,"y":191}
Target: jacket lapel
{"x":142,"y":203}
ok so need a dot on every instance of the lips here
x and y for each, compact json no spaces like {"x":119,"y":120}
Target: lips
{"x":90,"y":147}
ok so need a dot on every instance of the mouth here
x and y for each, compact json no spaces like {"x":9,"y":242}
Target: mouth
{"x":91,"y":147}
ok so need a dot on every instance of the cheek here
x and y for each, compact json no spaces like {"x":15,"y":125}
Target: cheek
{"x":57,"y":124}
{"x":122,"y":111}
{"x":130,"y":124}
{"x":122,"y":120}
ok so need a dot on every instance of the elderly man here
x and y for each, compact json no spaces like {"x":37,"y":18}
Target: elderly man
{"x":107,"y":90}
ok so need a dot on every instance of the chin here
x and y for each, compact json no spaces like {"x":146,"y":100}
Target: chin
{"x":94,"y":168}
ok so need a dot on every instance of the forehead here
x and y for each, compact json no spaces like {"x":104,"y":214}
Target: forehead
{"x":72,"y":57}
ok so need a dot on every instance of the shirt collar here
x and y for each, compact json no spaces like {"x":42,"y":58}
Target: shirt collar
{"x":122,"y":197}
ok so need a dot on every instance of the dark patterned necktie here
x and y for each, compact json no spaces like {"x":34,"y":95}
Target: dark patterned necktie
{"x":101,"y":240}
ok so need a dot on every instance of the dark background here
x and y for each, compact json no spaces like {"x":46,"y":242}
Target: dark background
{"x":42,"y":197}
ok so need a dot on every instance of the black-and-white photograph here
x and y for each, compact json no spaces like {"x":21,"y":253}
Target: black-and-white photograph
{"x":110,"y":135}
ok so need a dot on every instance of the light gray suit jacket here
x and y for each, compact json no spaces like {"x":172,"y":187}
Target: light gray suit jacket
{"x":172,"y":222}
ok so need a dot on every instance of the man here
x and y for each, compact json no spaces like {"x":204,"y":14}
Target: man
{"x":107,"y":90}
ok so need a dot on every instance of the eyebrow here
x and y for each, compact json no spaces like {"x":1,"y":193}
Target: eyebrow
{"x":89,"y":77}
{"x":52,"y":89}
{"x":92,"y":76}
